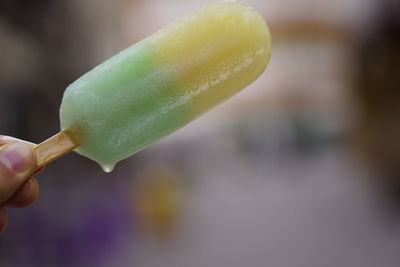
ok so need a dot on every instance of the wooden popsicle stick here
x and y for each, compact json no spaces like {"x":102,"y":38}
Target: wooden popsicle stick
{"x":53,"y":148}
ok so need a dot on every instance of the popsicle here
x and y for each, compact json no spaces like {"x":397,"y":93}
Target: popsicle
{"x":161,"y":83}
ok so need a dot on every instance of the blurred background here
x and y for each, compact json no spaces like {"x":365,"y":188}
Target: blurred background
{"x":300,"y":169}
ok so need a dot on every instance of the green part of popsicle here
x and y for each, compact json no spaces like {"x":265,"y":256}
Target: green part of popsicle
{"x":125,"y":100}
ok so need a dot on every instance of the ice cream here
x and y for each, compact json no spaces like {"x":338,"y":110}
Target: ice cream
{"x":165,"y":81}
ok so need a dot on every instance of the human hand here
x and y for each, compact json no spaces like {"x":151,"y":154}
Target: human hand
{"x":17,"y":186}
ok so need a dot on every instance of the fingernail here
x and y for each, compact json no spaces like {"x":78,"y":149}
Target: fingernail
{"x":6,"y":139}
{"x":16,"y":157}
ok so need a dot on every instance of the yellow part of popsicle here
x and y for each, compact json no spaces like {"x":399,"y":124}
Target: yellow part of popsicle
{"x":226,"y":38}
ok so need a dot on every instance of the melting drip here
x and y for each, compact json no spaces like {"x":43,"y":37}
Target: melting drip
{"x":107,"y":167}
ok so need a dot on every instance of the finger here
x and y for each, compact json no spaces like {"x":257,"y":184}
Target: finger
{"x":3,"y":219}
{"x":26,"y":195}
{"x":17,"y":163}
{"x":8,"y":140}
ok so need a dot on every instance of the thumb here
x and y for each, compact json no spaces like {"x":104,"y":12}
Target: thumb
{"x":17,"y":163}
